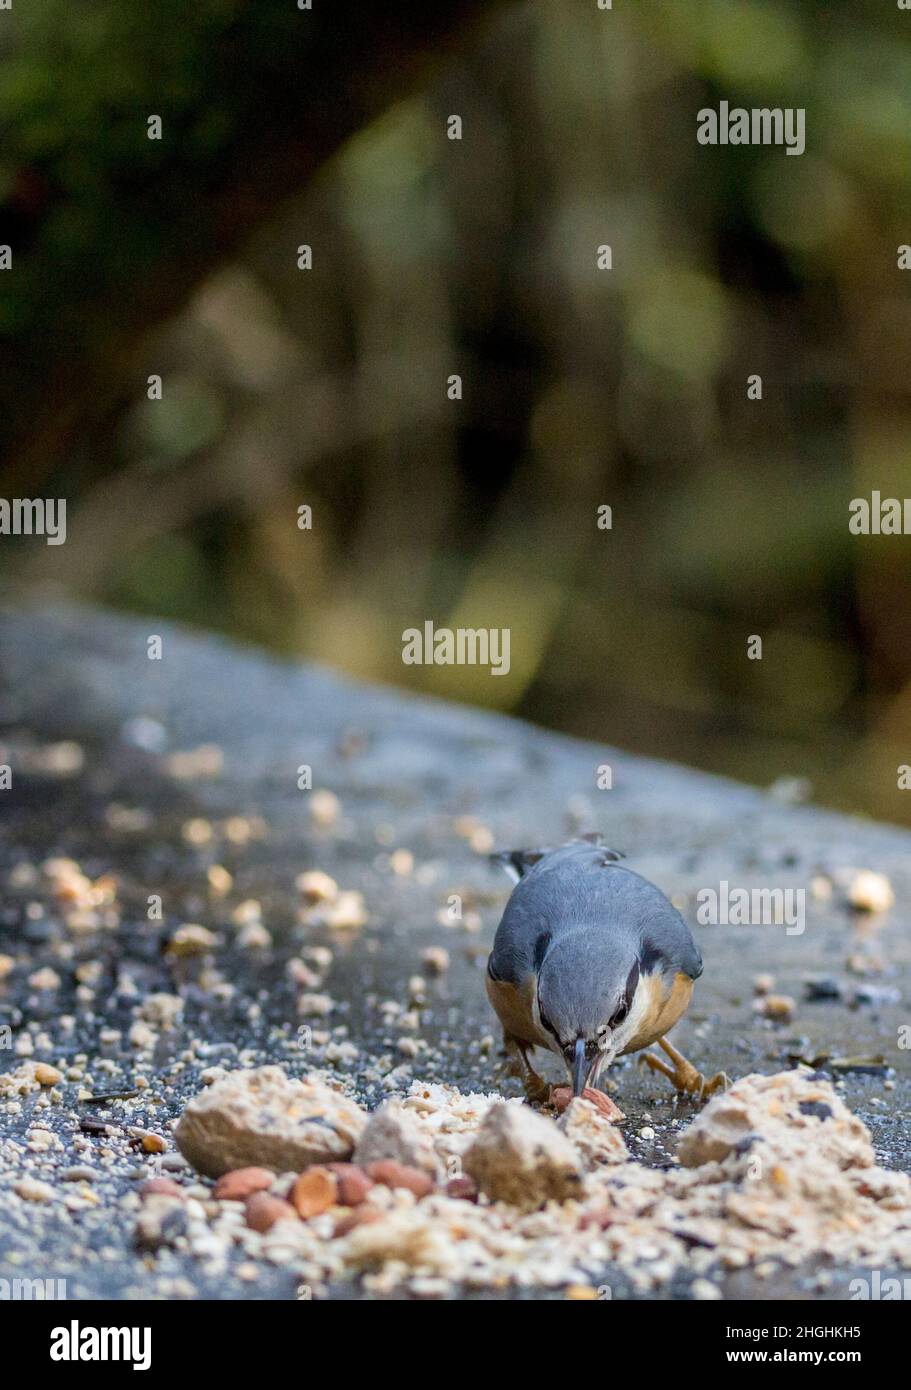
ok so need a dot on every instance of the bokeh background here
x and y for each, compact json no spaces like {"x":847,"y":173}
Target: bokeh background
{"x":478,"y":257}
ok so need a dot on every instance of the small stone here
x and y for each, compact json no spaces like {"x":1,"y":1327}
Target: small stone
{"x":31,"y":1190}
{"x":47,"y":1075}
{"x":153,"y":1143}
{"x":316,"y":887}
{"x":357,"y":1216}
{"x":161,"y":1187}
{"x":393,"y":1132}
{"x":314,"y":1192}
{"x":347,"y":913}
{"x":401,"y":862}
{"x":263,"y":1210}
{"x":821,"y":987}
{"x":464,"y":1189}
{"x":704,"y":1290}
{"x":45,"y":978}
{"x":325,"y":808}
{"x":162,"y":1009}
{"x":435,"y":960}
{"x":764,"y":983}
{"x":777,"y":1006}
{"x":262,"y":1118}
{"x":518,"y":1156}
{"x":80,"y":1172}
{"x":794,"y":1116}
{"x":241,"y":1183}
{"x":160,"y":1220}
{"x":391,"y":1174}
{"x":191,"y":940}
{"x":353,"y":1183}
{"x":870,"y":892}
{"x":254,"y":937}
{"x":315,"y":1005}
{"x":592,"y":1134}
{"x":581,"y":1293}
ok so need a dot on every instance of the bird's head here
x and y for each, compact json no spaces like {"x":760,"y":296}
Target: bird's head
{"x":586,"y":999}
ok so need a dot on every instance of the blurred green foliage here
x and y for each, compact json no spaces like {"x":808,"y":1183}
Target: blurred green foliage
{"x":581,"y":387}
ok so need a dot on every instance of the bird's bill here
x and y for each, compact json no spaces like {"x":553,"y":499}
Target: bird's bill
{"x":580,"y":1067}
{"x":583,"y":1060}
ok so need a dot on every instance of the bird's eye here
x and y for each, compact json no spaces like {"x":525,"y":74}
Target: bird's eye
{"x":620,"y":1015}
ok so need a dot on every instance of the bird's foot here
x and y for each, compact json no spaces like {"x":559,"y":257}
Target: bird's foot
{"x":516,"y":1065}
{"x":683,"y":1075}
{"x":537,"y":1090}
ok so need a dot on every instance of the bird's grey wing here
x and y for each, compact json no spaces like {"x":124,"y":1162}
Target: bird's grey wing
{"x":581,"y":885}
{"x":519,"y":945}
{"x":667,"y":940}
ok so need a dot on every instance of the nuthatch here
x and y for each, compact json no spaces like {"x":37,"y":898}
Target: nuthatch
{"x":591,"y":961}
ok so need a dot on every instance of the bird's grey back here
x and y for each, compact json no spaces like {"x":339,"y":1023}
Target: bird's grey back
{"x":579,"y":886}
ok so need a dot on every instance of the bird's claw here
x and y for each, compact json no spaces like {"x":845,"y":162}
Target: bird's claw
{"x":683,"y":1075}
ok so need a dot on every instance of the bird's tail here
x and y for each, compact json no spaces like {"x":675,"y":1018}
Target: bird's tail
{"x":517,"y":862}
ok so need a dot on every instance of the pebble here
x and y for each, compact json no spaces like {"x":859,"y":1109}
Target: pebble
{"x":435,"y":960}
{"x":464,"y":1189}
{"x":388,"y":1173}
{"x":869,"y":891}
{"x":241,"y":1183}
{"x":45,"y":978}
{"x":521,"y":1157}
{"x":47,"y":1075}
{"x":263,"y":1210}
{"x":316,"y":887}
{"x":393,"y":1132}
{"x":594,"y":1136}
{"x":353,"y":1183}
{"x":153,"y":1143}
{"x":192,"y":940}
{"x":31,"y":1190}
{"x":315,"y":1191}
{"x":356,"y":1216}
{"x":776,"y":1006}
{"x":161,"y":1187}
{"x":325,"y":808}
{"x":263,"y":1118}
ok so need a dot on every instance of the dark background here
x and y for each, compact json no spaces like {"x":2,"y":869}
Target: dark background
{"x":581,"y":387}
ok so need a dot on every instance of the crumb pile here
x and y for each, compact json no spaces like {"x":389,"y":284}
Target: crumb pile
{"x":442,"y":1189}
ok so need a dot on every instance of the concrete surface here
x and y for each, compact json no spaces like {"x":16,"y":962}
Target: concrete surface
{"x":407,"y":773}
